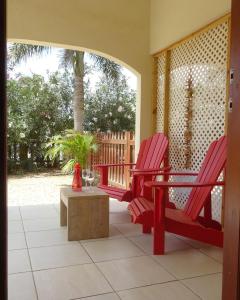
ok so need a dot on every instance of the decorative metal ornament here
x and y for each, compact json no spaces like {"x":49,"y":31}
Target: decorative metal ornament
{"x":188,"y":122}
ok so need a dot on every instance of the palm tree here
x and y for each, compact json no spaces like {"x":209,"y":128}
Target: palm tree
{"x":75,"y":60}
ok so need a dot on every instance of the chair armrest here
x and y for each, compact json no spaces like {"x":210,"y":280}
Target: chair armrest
{"x":161,"y":171}
{"x":166,"y":184}
{"x":182,"y":174}
{"x":113,"y":165}
{"x":149,"y":172}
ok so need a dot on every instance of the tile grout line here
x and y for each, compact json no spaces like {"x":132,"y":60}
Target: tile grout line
{"x":119,"y":258}
{"x":144,"y":255}
{"x":95,"y":263}
{"x":200,"y":276}
{"x":177,"y":280}
{"x":100,"y":271}
{"x":35,"y":287}
{"x":61,"y":267}
{"x":187,"y":287}
{"x":96,"y":295}
{"x":200,"y":250}
{"x":211,"y":257}
{"x":150,"y":256}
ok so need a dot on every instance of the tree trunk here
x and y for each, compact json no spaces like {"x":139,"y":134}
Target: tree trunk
{"x":23,"y":152}
{"x":78,"y":97}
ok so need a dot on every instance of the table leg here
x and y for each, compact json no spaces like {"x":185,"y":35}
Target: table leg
{"x":63,"y":214}
{"x":74,"y":221}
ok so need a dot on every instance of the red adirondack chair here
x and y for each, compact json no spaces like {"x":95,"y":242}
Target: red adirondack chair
{"x":150,"y":157}
{"x":186,"y":222}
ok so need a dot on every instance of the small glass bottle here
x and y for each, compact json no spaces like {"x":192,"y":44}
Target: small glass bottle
{"x":77,"y":178}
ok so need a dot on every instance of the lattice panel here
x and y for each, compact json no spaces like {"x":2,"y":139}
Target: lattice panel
{"x":160,"y":92}
{"x":204,"y":58}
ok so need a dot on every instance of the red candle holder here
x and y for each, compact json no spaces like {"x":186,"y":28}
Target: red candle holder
{"x":77,"y":178}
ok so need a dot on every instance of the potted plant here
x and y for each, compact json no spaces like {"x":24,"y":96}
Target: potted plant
{"x":75,"y":148}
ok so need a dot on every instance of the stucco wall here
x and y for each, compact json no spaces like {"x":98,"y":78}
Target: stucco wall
{"x":172,"y":20}
{"x":127,"y":31}
{"x":117,"y":29}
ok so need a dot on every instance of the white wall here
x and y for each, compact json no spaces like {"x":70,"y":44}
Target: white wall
{"x":172,"y":20}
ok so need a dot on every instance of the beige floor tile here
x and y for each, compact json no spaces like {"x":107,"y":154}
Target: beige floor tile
{"x":21,"y":287}
{"x":193,"y":243}
{"x":145,"y":242}
{"x":129,"y":229}
{"x":133,"y":272}
{"x":188,"y":263}
{"x":70,"y":283}
{"x":114,"y":233}
{"x":207,"y":287}
{"x":57,"y":207}
{"x":41,"y":224}
{"x":15,"y":227}
{"x":111,"y":249}
{"x":117,"y":206}
{"x":14,"y":213}
{"x":214,"y":252}
{"x":111,"y":296}
{"x":58,"y":256}
{"x":18,"y":261}
{"x":38,"y":212}
{"x":164,"y":291}
{"x":16,"y":241}
{"x":119,"y":217}
{"x":47,"y":238}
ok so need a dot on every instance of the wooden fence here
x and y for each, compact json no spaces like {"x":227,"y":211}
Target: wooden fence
{"x":118,"y":147}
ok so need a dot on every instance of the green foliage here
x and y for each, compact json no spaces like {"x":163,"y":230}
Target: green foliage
{"x":40,"y":108}
{"x":74,"y":146}
{"x":71,"y":60}
{"x":20,"y":52}
{"x":111,"y":107}
{"x":37,"y":110}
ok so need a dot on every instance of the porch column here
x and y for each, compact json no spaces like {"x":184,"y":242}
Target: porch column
{"x":231,"y":262}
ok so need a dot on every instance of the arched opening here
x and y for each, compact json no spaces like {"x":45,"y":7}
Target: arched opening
{"x":21,"y":152}
{"x":139,"y":110}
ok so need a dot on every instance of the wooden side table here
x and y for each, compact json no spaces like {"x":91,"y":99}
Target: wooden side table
{"x":85,"y":213}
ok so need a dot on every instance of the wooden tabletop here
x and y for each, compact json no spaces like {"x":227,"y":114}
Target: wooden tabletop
{"x":70,"y":193}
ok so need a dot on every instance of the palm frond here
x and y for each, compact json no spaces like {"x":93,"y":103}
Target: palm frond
{"x":72,"y":145}
{"x":111,"y":70}
{"x":66,"y":58}
{"x":21,"y":52}
{"x":53,"y":152}
{"x":68,"y":167}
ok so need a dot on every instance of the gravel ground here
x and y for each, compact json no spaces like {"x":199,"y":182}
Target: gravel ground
{"x":35,"y":189}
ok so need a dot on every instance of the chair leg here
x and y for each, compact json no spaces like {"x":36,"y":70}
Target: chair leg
{"x":159,"y":222}
{"x":158,"y":241}
{"x":146,"y":228}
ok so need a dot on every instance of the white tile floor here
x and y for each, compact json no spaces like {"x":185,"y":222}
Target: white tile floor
{"x":43,"y":265}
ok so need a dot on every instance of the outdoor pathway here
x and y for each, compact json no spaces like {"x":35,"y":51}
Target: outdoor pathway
{"x":44,"y":265}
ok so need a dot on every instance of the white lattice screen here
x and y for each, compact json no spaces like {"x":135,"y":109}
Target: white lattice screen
{"x":204,"y":59}
{"x":160,"y":92}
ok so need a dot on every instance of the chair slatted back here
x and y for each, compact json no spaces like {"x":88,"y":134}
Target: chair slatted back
{"x":151,"y":155}
{"x":152,"y":151}
{"x":211,"y":168}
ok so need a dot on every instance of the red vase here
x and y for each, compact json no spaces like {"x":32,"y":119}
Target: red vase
{"x":77,"y":178}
